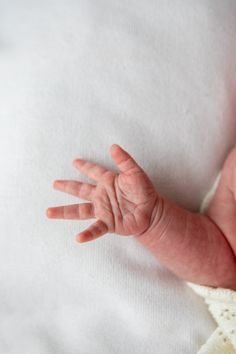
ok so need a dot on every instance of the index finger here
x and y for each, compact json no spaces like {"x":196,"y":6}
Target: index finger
{"x":90,"y":169}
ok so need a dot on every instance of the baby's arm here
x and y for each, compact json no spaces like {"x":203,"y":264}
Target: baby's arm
{"x":196,"y":247}
{"x":191,"y":245}
{"x":199,"y":247}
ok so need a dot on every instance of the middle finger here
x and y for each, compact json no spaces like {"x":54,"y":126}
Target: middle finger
{"x":74,"y":211}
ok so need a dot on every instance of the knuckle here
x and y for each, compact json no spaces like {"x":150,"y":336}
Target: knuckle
{"x":96,"y":229}
{"x":108,"y":175}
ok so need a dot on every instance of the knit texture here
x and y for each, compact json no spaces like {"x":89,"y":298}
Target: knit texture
{"x":221,"y":304}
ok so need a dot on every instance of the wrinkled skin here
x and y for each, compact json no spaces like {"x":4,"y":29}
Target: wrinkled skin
{"x":122,"y":203}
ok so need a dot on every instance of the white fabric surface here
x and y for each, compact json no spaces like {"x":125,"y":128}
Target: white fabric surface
{"x":157,"y":77}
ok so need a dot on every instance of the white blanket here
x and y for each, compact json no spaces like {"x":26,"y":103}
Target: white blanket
{"x":157,"y":77}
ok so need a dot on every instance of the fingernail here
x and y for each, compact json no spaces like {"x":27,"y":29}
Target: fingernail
{"x":49,"y":212}
{"x":78,"y":239}
{"x":57,"y":183}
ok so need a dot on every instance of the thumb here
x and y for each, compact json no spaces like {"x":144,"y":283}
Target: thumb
{"x":123,"y":160}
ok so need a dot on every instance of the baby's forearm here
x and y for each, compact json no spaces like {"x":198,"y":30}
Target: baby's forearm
{"x":191,"y":245}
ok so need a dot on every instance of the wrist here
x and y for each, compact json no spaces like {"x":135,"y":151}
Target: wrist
{"x":158,"y":215}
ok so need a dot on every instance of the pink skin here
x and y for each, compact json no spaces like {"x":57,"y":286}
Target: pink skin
{"x":199,"y":248}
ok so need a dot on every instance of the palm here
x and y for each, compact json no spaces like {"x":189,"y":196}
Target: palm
{"x":122,"y":203}
{"x":125,"y":202}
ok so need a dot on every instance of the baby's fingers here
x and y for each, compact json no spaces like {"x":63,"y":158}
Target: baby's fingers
{"x":74,"y":211}
{"x":94,"y":231}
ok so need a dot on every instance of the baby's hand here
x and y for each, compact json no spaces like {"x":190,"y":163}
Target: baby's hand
{"x":122,"y":202}
{"x":196,"y":247}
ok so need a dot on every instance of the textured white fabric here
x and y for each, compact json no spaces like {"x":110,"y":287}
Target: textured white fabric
{"x":156,"y":77}
{"x":221,"y":303}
